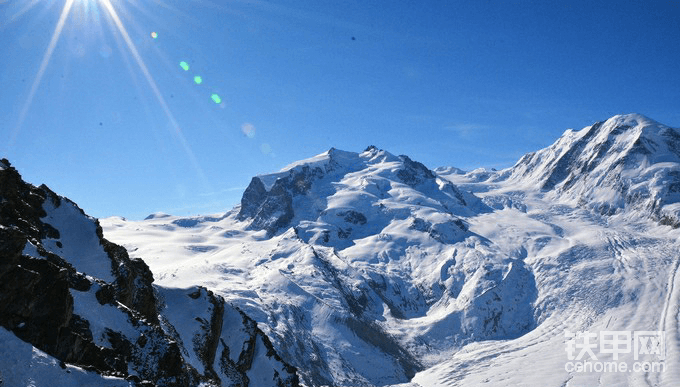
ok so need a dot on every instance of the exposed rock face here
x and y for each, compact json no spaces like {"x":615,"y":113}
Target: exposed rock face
{"x":253,"y":197}
{"x":269,"y":210}
{"x":414,"y":172}
{"x":220,"y":341}
{"x":80,"y":298}
{"x":353,"y":217}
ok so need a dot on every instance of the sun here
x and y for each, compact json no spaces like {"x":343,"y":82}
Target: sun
{"x":85,"y":6}
{"x":90,"y":10}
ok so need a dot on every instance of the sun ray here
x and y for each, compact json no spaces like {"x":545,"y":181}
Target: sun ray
{"x":22,"y":11}
{"x":107,"y":5}
{"x":152,"y":83}
{"x":41,"y":71}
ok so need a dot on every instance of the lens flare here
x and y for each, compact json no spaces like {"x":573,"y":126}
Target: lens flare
{"x":198,"y":79}
{"x":154,"y":35}
{"x":179,"y":135}
{"x":184,"y":65}
{"x":216,"y":98}
{"x":248,"y":129}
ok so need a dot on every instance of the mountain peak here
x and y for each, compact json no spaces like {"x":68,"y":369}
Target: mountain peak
{"x":626,"y":129}
{"x":336,"y":181}
{"x":336,"y":158}
{"x":626,"y":161}
{"x":631,"y":120}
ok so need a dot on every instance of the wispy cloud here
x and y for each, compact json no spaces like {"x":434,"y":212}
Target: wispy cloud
{"x":466,"y":131}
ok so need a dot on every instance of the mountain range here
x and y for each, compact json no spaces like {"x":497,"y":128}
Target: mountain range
{"x":358,"y":269}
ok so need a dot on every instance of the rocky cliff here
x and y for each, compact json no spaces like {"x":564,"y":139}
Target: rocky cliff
{"x":80,"y":299}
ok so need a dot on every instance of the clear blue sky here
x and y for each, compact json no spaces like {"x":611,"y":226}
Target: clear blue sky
{"x":462,"y":83}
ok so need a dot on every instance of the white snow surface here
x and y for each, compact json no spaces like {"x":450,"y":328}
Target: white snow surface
{"x":78,"y":242}
{"x":626,"y":161}
{"x":21,"y":364}
{"x":31,"y":250}
{"x":487,"y":304}
{"x":102,"y":317}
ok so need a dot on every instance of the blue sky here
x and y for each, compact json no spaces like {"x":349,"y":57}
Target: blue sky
{"x":112,"y":121}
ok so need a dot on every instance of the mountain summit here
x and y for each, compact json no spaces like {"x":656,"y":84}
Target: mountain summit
{"x":626,"y":162}
{"x":330,"y":197}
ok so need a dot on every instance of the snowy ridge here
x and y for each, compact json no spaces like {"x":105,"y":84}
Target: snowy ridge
{"x":315,"y":194}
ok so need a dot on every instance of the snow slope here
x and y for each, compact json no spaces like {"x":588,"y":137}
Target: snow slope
{"x":369,"y":269}
{"x":593,"y":274}
{"x":24,"y":365}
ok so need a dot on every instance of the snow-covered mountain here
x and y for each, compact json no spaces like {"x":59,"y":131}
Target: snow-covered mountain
{"x":76,"y":310}
{"x":367,"y":268}
{"x":371,"y":269}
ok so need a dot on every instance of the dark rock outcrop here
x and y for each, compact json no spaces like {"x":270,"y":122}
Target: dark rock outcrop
{"x":414,"y":173}
{"x":273,"y":210}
